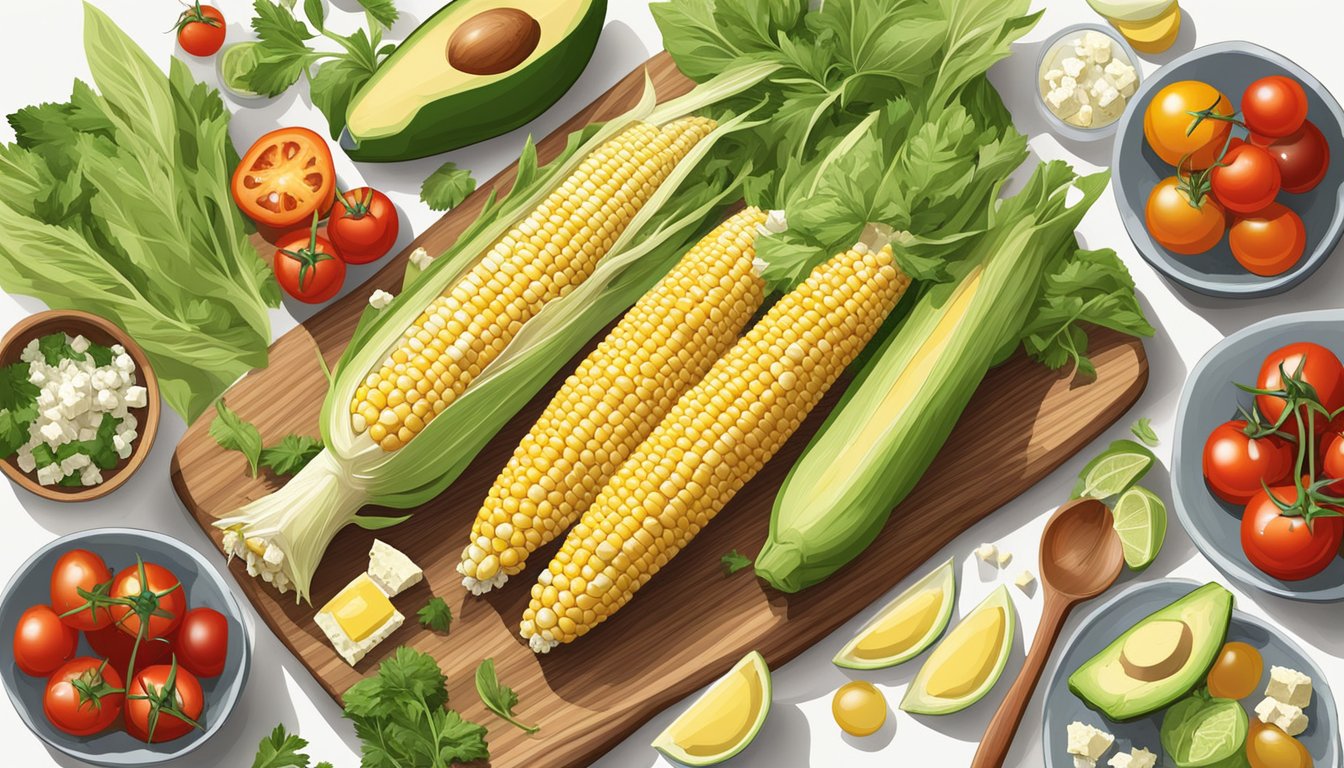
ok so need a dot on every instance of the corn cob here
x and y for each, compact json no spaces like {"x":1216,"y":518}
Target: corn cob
{"x":615,"y":398}
{"x":715,"y":439}
{"x":542,"y":258}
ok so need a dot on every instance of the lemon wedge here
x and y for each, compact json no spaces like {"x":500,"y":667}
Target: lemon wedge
{"x":724,"y":720}
{"x":969,"y":661}
{"x":906,"y":625}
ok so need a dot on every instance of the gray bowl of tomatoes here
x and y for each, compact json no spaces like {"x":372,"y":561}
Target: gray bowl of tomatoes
{"x":1258,"y":469}
{"x":128,"y":648}
{"x":1223,"y":171}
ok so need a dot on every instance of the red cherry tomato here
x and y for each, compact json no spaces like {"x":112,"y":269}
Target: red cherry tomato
{"x":1235,"y":464}
{"x":155,"y":586}
{"x":309,"y":267}
{"x":1274,"y":106}
{"x":1318,"y":367}
{"x":363,"y":225}
{"x":202,"y":642}
{"x":1303,"y":157}
{"x":200,"y":30}
{"x":165,"y":693}
{"x":1247,"y":180}
{"x":1332,"y":462}
{"x":76,"y":570}
{"x":84,"y":697}
{"x":42,"y":642}
{"x":1287,"y":547}
{"x":115,"y":645}
{"x":1269,"y":242}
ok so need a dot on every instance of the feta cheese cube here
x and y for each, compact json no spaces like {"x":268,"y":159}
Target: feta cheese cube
{"x":391,"y":569}
{"x":79,"y":344}
{"x":90,"y":476}
{"x":1107,"y":96}
{"x":1073,"y":66}
{"x":37,"y":375}
{"x":421,"y":259}
{"x":1062,"y":102}
{"x":1289,"y":686}
{"x":1082,"y":762}
{"x":1068,"y":83}
{"x":26,"y":461}
{"x":52,"y":433}
{"x":1088,"y":741}
{"x":117,"y":349}
{"x":136,"y":396}
{"x":1004,"y":559}
{"x":1053,"y":75}
{"x":127,"y":436}
{"x":123,"y":362}
{"x":75,"y":463}
{"x":1080,"y":93}
{"x":47,"y":398}
{"x":1135,"y":758}
{"x":986,"y":552}
{"x":52,"y":414}
{"x":50,"y":474}
{"x":1120,"y":74}
{"x":1084,"y":115}
{"x":107,"y":399}
{"x":1024,"y":580}
{"x":1098,"y":47}
{"x":1121,"y":760}
{"x":379,"y":299}
{"x":88,"y":433}
{"x":30,"y":353}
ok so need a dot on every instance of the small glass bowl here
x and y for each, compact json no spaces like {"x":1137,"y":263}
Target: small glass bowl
{"x":1048,"y":48}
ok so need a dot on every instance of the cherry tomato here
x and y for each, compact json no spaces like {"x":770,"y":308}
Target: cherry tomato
{"x":286,"y":177}
{"x":1247,"y":179}
{"x":1319,"y":368}
{"x":1167,"y":121}
{"x":42,"y":642}
{"x":170,"y":693}
{"x":84,"y":697}
{"x":76,"y":570}
{"x":115,"y":645}
{"x":1179,"y":226}
{"x":1237,"y":671}
{"x":1332,"y":462}
{"x":1274,"y":106}
{"x":200,"y":30}
{"x":1235,"y":464}
{"x":363,"y":225}
{"x":1269,"y":242}
{"x":309,"y":267}
{"x":159,"y":589}
{"x":1269,"y":747}
{"x":202,"y":642}
{"x":1303,"y":157}
{"x":1285,"y":547}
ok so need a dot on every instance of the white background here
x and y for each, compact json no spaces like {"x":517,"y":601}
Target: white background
{"x":42,"y":51}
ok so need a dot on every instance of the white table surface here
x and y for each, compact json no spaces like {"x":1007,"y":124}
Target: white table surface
{"x":43,"y":51}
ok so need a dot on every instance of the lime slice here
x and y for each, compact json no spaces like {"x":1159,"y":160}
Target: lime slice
{"x":236,"y":62}
{"x":1141,"y":520}
{"x":724,"y":720}
{"x":1120,"y":466}
{"x":905,"y":626}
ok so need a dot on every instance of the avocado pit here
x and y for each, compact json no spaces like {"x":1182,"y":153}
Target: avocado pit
{"x":493,"y":42}
{"x":1157,"y":650}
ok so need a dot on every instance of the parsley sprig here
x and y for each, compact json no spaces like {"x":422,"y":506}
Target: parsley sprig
{"x":497,"y":697}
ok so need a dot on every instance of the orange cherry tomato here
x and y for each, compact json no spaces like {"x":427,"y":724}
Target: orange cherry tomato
{"x":1270,"y":242}
{"x":1179,"y":225}
{"x":1167,"y":124}
{"x":286,"y":177}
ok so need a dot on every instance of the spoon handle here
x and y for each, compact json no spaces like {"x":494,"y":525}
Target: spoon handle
{"x":999,"y":735}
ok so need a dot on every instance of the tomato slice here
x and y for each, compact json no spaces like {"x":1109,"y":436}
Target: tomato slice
{"x":285,"y":177}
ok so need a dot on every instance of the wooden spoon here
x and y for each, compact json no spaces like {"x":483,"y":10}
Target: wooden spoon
{"x":1081,"y":557}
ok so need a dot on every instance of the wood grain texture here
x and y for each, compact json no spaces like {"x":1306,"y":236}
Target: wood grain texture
{"x":691,"y":623}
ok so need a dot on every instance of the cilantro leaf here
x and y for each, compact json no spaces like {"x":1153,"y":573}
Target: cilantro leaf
{"x":14,"y":428}
{"x":382,"y":11}
{"x":496,"y":696}
{"x":282,"y":750}
{"x":733,"y":562}
{"x":101,"y":450}
{"x":16,"y":391}
{"x":1087,"y":287}
{"x":55,"y":348}
{"x":276,"y":70}
{"x":1143,"y":429}
{"x":101,"y":356}
{"x":277,"y":27}
{"x":290,"y":455}
{"x":234,"y":434}
{"x":461,"y":741}
{"x":447,"y":187}
{"x":436,"y":615}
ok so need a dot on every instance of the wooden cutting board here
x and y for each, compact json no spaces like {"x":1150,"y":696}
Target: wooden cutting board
{"x":691,"y":623}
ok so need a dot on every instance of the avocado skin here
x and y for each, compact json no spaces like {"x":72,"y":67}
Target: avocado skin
{"x":1208,"y":643}
{"x":492,"y":109}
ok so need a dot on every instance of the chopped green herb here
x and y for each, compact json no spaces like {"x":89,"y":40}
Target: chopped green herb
{"x":1143,"y":429}
{"x":291,"y":454}
{"x":101,"y":356}
{"x":496,"y":696}
{"x":234,"y":434}
{"x":734,"y":561}
{"x":283,"y":750}
{"x":447,"y":187}
{"x":56,"y":347}
{"x":436,"y":615}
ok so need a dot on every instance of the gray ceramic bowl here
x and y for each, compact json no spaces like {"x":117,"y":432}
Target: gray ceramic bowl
{"x":1230,"y":67}
{"x":1107,"y":621}
{"x":1073,"y":132}
{"x":30,"y":585}
{"x":1210,"y":398}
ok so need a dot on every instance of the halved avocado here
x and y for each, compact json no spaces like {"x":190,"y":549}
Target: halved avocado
{"x":1159,"y":659}
{"x":472,"y":71}
{"x":968,"y":662}
{"x":906,"y":625}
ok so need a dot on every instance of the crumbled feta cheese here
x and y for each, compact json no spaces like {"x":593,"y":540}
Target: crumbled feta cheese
{"x":1108,"y":95}
{"x":987,"y":552}
{"x":1088,"y":741}
{"x":379,"y":299}
{"x":1098,"y":46}
{"x":1072,"y":66}
{"x":1054,"y":75}
{"x":1082,"y":762}
{"x":1068,"y":83}
{"x":52,"y":432}
{"x":391,"y":569}
{"x":1289,"y":686}
{"x":49,"y":475}
{"x":136,"y":397}
{"x":1062,"y":102}
{"x":79,"y":344}
{"x":75,"y":463}
{"x":1024,"y":580}
{"x":26,"y":461}
{"x":90,"y":476}
{"x":1085,"y":115}
{"x":1121,"y":760}
{"x":1004,"y":559}
{"x":1287,"y":717}
{"x":421,"y":259}
{"x":1135,"y":758}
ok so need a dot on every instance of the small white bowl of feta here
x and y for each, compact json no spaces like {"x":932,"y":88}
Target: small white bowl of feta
{"x":79,"y":405}
{"x":1085,"y":77}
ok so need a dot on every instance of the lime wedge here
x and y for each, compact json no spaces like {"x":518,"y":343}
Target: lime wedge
{"x":724,"y":720}
{"x":1141,"y":520}
{"x":1121,"y":465}
{"x":235,"y":63}
{"x":905,"y":626}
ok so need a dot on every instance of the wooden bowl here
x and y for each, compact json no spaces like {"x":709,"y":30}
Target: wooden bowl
{"x":99,"y":331}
